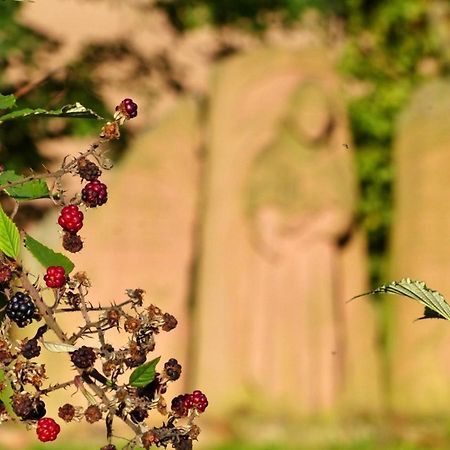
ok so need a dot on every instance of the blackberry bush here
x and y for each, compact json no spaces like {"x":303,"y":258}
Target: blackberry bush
{"x":105,"y":395}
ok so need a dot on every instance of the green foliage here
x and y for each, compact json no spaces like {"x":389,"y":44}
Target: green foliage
{"x":71,"y":111}
{"x":144,"y":374}
{"x":26,"y":191}
{"x":46,"y":256}
{"x":9,"y":236}
{"x":436,"y":307}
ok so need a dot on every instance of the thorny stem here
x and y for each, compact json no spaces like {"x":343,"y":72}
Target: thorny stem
{"x":55,"y":387}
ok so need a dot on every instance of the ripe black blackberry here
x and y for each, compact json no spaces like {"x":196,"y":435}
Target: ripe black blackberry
{"x":38,"y":411}
{"x":88,"y":170}
{"x":94,"y":194}
{"x":172,"y":369}
{"x":20,"y":309}
{"x":178,"y":406}
{"x":138,"y":414}
{"x":84,"y":357}
{"x":72,"y":242}
{"x":31,"y":349}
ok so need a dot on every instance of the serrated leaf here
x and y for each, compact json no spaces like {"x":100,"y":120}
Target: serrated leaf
{"x":419,"y":291}
{"x":76,"y":111}
{"x":29,"y":190}
{"x":7,"y":101}
{"x":145,"y":374}
{"x":9,"y":236}
{"x":59,"y":347}
{"x":430,"y":314}
{"x":6,"y":394}
{"x":46,"y":256}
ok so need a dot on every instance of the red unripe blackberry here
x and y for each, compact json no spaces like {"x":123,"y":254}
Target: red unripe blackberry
{"x":47,"y":429}
{"x":94,"y":194}
{"x":199,"y":401}
{"x":71,"y":218}
{"x":31,"y":349}
{"x":84,"y":357}
{"x":88,"y":170}
{"x":72,"y":242}
{"x":55,"y":277}
{"x":20,"y":309}
{"x":128,"y":108}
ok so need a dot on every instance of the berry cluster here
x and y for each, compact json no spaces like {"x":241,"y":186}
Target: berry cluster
{"x":182,"y":404}
{"x":100,"y":369}
{"x":55,"y":277}
{"x":21,"y":309}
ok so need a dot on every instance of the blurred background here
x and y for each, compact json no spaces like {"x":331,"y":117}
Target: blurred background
{"x":287,"y":155}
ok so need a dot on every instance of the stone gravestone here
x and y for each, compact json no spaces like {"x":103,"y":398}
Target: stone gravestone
{"x":278,"y":254}
{"x":421,"y":250}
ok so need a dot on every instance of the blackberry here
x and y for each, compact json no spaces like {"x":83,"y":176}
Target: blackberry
{"x":93,"y":414}
{"x":172,"y":369}
{"x":178,"y":405}
{"x":113,"y":317}
{"x":38,"y":411}
{"x":148,"y":439}
{"x":169,"y":322}
{"x":88,"y":170}
{"x":72,"y":242}
{"x":20,"y":309}
{"x":71,"y":218}
{"x":47,"y":429}
{"x":94,"y":194}
{"x":127,"y":108}
{"x":22,"y":405}
{"x":199,"y":401}
{"x":84,"y":357}
{"x":138,"y":414}
{"x":66,"y":412}
{"x":31,"y":349}
{"x":55,"y":277}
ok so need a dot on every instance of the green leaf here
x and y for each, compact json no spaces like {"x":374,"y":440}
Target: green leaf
{"x":29,"y":190}
{"x":76,"y":111}
{"x":145,"y":374}
{"x":9,"y":236}
{"x":7,"y":101}
{"x":6,"y":394}
{"x":46,"y":256}
{"x":419,"y":291}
